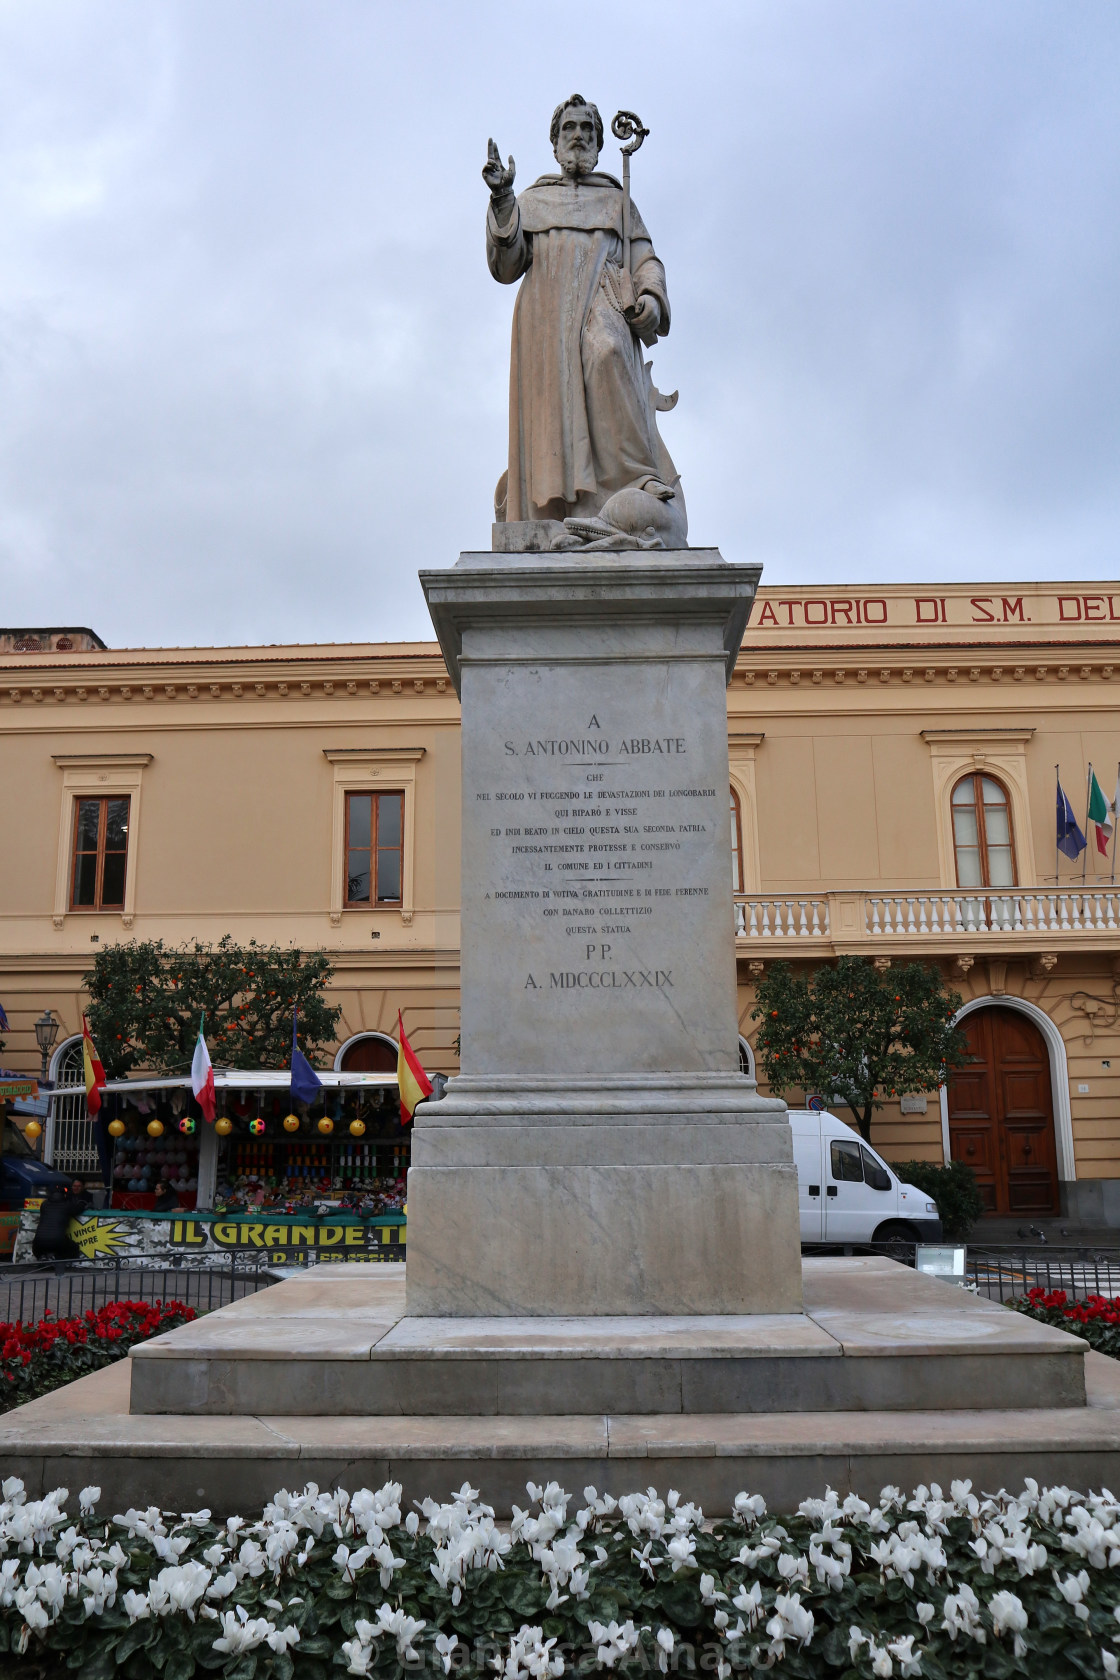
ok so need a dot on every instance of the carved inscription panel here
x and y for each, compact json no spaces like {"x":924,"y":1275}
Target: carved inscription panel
{"x":597,"y":912}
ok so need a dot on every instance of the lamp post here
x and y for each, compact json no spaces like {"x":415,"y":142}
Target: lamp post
{"x":46,"y":1031}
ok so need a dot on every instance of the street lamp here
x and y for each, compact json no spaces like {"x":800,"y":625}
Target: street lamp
{"x":46,"y":1031}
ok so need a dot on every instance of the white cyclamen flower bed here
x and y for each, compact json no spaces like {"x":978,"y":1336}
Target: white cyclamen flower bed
{"x":331,"y":1583}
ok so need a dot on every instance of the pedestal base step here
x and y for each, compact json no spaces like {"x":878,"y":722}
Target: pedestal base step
{"x":85,"y":1434}
{"x":875,"y":1337}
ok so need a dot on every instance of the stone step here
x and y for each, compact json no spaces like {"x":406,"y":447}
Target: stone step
{"x":85,"y":1433}
{"x":875,"y":1337}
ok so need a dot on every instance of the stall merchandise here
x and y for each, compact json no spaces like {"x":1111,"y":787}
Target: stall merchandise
{"x":302,"y":1164}
{"x":140,"y":1161}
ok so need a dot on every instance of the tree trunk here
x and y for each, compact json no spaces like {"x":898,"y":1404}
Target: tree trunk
{"x":864,"y":1119}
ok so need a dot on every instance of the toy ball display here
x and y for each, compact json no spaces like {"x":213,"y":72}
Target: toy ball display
{"x":116,"y":1128}
{"x":224,"y":1126}
{"x":155,"y":1128}
{"x":326,"y":1124}
{"x":256,"y":1126}
{"x":291,"y":1122}
{"x":187,"y":1125}
{"x":32,"y":1130}
{"x":357,"y":1128}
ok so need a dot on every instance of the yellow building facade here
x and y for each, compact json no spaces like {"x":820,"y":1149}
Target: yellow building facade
{"x":892,"y":753}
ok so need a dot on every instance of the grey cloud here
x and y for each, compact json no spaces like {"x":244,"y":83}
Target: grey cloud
{"x":253,"y":369}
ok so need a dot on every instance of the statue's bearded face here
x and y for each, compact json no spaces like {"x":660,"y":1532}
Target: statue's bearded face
{"x":577,"y":152}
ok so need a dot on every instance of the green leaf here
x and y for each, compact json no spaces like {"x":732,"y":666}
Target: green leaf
{"x":1085,"y":1659}
{"x":834,"y":1648}
{"x":316,"y":1645}
{"x":179,"y":1666}
{"x":680,"y":1600}
{"x":102,"y":1665}
{"x":524,"y":1597}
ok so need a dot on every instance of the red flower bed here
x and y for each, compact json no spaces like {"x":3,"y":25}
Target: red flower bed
{"x":1096,"y":1319}
{"x":34,"y":1358}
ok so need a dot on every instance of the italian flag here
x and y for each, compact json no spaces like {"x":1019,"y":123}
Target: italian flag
{"x":1101,"y":813}
{"x":413,"y":1081}
{"x":94,"y":1072}
{"x":202,"y":1078}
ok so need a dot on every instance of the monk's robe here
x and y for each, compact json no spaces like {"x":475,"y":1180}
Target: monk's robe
{"x":582,"y":422}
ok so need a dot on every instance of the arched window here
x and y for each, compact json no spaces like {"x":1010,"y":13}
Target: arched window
{"x":736,"y":845}
{"x":368,"y":1052}
{"x":982,"y":833}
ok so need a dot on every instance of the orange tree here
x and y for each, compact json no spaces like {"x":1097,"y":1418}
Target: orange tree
{"x":146,"y":1000}
{"x":856,"y":1032}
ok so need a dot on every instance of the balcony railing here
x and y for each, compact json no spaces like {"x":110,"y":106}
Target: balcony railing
{"x":848,"y":919}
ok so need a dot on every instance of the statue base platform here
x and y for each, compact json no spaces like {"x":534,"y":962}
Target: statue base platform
{"x":887,"y":1377}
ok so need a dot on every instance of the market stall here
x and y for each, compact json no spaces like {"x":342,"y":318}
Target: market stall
{"x":282,"y":1181}
{"x":261,"y":1150}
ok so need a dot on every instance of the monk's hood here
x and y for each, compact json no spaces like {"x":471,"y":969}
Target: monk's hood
{"x":552,"y":202}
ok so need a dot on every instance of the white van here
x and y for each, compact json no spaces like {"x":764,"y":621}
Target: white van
{"x":846,"y":1194}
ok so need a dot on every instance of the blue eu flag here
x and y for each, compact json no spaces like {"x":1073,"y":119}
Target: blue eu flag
{"x":306,"y":1083}
{"x":1071,"y":841}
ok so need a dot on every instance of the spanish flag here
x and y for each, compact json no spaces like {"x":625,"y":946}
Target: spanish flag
{"x":413,"y":1081}
{"x":94,"y":1072}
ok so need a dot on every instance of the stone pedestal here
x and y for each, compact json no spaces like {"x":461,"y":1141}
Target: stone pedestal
{"x":600,"y":1152}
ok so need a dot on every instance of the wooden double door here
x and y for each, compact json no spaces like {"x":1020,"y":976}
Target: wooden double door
{"x":1001,"y":1116}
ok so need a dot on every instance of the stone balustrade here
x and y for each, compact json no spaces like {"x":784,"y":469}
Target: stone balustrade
{"x":846,"y":920}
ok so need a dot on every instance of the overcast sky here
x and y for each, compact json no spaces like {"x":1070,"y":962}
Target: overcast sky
{"x":253,"y":369}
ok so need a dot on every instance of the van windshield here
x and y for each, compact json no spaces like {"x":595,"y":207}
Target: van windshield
{"x":876,"y":1175}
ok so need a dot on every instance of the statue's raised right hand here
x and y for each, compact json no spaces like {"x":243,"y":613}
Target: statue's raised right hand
{"x":498,"y":176}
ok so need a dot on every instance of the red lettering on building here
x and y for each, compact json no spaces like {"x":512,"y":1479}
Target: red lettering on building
{"x":1065,"y":601}
{"x":767,"y":615}
{"x":844,"y":607}
{"x":981,"y":604}
{"x":921,"y":616}
{"x":1012,"y":609}
{"x":823,"y":605}
{"x":880,"y":618}
{"x":1094,"y":607}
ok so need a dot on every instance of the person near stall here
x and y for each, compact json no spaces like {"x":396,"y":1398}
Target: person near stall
{"x":166,"y":1201}
{"x":52,"y":1240}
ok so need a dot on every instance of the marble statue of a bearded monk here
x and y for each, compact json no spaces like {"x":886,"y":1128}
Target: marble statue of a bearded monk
{"x":583,"y":440}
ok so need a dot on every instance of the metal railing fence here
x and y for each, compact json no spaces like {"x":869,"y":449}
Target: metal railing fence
{"x":68,"y":1290}
{"x":1006,"y":1274}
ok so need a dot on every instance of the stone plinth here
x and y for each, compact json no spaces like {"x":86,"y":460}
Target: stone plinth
{"x":874,"y":1336}
{"x":325,"y":1378}
{"x":600,"y":1152}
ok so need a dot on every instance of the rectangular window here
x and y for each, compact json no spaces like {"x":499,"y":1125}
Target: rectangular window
{"x":100,"y":854}
{"x":846,"y":1164}
{"x":374,"y":848}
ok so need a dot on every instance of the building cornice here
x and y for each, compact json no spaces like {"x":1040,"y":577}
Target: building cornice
{"x":787,"y":668}
{"x":200,"y":680}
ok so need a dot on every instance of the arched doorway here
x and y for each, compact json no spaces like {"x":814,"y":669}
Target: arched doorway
{"x":1001,"y":1115}
{"x":70,"y":1144}
{"x":368,"y":1053}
